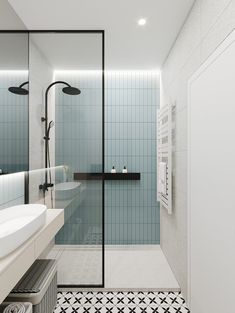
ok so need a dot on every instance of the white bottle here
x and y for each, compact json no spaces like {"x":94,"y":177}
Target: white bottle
{"x":113,"y":170}
{"x":124,"y":170}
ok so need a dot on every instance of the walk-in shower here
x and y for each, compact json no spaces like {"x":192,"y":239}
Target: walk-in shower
{"x":92,"y":133}
{"x":111,"y":231}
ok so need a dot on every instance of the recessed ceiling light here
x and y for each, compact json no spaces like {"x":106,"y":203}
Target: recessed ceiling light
{"x":142,"y":21}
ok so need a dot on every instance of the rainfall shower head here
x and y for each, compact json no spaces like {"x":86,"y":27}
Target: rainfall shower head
{"x":19,"y":90}
{"x":69,"y":90}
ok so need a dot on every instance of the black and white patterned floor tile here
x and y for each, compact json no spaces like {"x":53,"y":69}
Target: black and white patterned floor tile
{"x":120,"y":302}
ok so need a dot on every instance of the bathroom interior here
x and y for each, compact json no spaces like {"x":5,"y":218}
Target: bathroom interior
{"x":116,"y":175}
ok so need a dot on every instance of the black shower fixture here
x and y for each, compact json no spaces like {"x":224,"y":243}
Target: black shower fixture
{"x":69,"y":90}
{"x":19,"y":90}
{"x":73,"y":91}
{"x":51,"y":124}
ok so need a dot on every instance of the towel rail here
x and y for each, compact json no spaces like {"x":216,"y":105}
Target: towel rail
{"x":164,"y":154}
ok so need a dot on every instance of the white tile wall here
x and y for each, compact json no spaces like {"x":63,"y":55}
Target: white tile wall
{"x":209,"y":22}
{"x":40,"y":75}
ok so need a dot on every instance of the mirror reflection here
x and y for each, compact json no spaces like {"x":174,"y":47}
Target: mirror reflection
{"x":13,"y":102}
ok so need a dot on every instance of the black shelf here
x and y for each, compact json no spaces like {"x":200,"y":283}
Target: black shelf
{"x":87,"y":176}
{"x":122,"y":176}
{"x":107,"y":176}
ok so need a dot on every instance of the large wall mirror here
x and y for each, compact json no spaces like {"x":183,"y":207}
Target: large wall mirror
{"x":14,"y":102}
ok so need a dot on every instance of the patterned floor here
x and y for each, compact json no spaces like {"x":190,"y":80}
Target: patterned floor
{"x":120,"y":302}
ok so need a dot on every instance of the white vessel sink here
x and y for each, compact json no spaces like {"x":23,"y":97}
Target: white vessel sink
{"x":67,"y":190}
{"x":19,"y":223}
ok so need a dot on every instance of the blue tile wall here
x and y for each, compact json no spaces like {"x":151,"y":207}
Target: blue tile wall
{"x":79,"y":123}
{"x":78,"y":139}
{"x":13,"y":123}
{"x":131,"y":208}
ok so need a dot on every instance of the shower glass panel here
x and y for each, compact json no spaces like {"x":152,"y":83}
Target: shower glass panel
{"x":76,"y":144}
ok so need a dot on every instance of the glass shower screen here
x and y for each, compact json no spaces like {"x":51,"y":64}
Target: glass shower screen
{"x":76,"y":142}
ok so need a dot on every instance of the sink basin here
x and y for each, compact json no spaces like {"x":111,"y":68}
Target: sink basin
{"x":19,"y":223}
{"x":67,"y":190}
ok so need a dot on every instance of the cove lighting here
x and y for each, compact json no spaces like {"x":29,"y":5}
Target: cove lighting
{"x":14,"y":72}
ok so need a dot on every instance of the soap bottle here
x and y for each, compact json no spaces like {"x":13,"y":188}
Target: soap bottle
{"x":124,"y":170}
{"x":113,"y":170}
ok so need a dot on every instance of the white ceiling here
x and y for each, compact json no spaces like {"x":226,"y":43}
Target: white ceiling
{"x":128,"y":46}
{"x":70,"y":51}
{"x":14,"y":51}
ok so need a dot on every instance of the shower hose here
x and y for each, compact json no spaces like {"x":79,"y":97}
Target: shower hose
{"x":15,"y":308}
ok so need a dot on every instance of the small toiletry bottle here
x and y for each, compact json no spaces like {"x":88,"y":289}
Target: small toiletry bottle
{"x":113,"y":170}
{"x":124,"y":170}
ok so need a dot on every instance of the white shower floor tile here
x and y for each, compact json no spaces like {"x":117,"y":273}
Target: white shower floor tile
{"x":137,"y":267}
{"x":78,"y":264}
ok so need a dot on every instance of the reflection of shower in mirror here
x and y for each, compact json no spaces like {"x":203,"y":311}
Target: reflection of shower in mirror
{"x":19,"y":90}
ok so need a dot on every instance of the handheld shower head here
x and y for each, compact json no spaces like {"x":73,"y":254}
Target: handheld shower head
{"x":51,"y":124}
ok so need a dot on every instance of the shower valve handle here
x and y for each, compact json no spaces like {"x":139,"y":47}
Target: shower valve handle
{"x":45,"y":186}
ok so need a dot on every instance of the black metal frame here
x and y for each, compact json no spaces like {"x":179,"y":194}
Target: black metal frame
{"x":102,"y":32}
{"x":26,"y":187}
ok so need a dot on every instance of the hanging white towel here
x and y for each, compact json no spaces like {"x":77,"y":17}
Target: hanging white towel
{"x":162,"y":177}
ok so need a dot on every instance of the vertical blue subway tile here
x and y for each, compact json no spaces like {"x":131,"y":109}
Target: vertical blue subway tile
{"x":130,"y":124}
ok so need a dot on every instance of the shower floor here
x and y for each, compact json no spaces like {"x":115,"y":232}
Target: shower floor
{"x":130,"y":267}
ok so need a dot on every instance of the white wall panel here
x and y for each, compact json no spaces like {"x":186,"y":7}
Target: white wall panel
{"x":211,"y":183}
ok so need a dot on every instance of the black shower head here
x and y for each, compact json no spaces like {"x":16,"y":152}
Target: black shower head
{"x":19,"y":90}
{"x":71,"y":90}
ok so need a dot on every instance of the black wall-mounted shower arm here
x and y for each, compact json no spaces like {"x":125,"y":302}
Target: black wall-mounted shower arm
{"x":23,"y":84}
